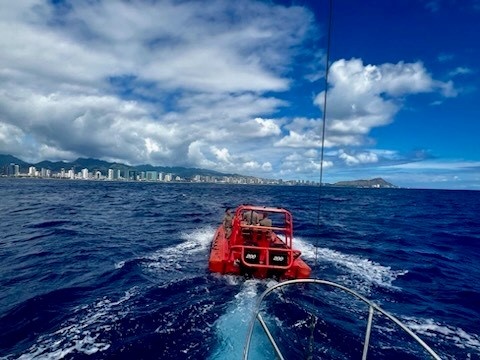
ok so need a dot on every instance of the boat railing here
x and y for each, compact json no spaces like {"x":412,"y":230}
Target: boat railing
{"x":264,"y":228}
{"x":372,"y":308}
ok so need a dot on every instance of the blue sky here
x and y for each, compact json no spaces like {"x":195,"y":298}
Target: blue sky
{"x":238,"y":86}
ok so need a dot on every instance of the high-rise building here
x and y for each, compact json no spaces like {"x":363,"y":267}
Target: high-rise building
{"x":110,"y":174}
{"x":45,"y":173}
{"x":85,"y":173}
{"x":12,"y":170}
{"x":132,"y":174}
{"x":152,"y":176}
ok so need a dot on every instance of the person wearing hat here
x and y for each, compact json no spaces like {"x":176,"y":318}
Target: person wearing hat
{"x":227,"y":223}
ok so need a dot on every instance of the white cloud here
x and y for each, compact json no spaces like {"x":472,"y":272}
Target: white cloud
{"x":363,"y":97}
{"x":312,"y":153}
{"x":306,"y":163}
{"x":302,"y":133}
{"x":207,"y":46}
{"x":317,"y":68}
{"x":251,"y":165}
{"x":222,"y":155}
{"x":267,"y":167}
{"x":10,"y":137}
{"x":267,"y":127}
{"x":296,"y":140}
{"x":439,"y":165}
{"x":193,"y":83}
{"x":461,"y":70}
{"x":65,"y":72}
{"x":358,"y":158}
{"x":385,"y":154}
{"x":196,"y":155}
{"x":151,"y":145}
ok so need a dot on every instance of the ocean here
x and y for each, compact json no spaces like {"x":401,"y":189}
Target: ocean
{"x":100,"y":270}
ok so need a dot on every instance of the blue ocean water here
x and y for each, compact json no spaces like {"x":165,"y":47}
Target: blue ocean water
{"x":119,"y":270}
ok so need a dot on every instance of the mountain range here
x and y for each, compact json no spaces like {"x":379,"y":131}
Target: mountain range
{"x":185,"y":173}
{"x":103,"y":166}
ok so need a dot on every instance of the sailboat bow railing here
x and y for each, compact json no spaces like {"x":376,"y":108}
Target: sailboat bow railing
{"x":372,"y":308}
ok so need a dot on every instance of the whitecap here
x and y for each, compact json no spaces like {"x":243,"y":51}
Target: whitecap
{"x":450,"y":334}
{"x":360,"y":272}
{"x":195,"y":246}
{"x":84,"y":332}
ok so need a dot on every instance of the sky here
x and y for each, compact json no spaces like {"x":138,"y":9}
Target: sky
{"x":239,"y":86}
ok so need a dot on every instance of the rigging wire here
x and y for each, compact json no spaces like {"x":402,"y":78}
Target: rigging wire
{"x":313,"y":319}
{"x":324,"y":118}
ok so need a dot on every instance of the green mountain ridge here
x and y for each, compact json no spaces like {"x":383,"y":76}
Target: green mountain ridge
{"x":103,"y":166}
{"x":183,"y":172}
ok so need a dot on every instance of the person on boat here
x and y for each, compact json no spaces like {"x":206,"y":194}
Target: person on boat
{"x":266,"y":221}
{"x":227,"y":223}
{"x":250,"y":217}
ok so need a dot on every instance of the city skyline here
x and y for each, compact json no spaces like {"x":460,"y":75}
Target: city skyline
{"x":13,"y":170}
{"x":238,"y":87}
{"x":121,"y":172}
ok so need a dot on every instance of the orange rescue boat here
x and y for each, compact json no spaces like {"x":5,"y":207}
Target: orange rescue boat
{"x":259,"y":245}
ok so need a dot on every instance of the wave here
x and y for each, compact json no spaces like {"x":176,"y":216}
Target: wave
{"x":363,"y":273}
{"x":445,"y":334}
{"x":85,"y":332}
{"x":334,"y":198}
{"x":176,"y":257}
{"x":357,"y":271}
{"x":49,"y":224}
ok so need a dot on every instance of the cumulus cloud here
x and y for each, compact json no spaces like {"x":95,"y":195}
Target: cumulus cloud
{"x":370,"y":90}
{"x":267,"y":167}
{"x":266,"y":127}
{"x":192,"y":83}
{"x":306,"y":163}
{"x":361,"y":97}
{"x":221,"y":154}
{"x":163,"y":82}
{"x":358,"y":158}
{"x":11,"y":137}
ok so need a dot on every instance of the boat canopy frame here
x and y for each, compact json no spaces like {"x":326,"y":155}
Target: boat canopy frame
{"x":282,"y":228}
